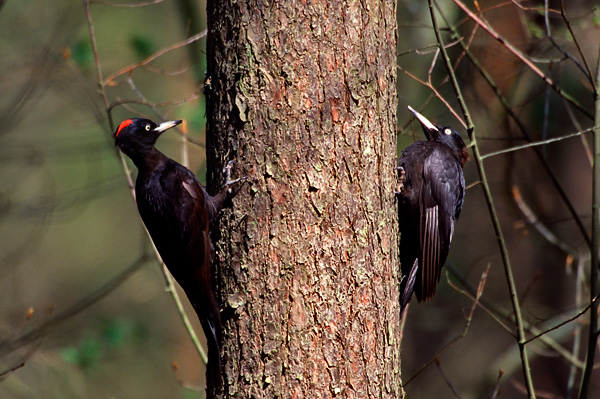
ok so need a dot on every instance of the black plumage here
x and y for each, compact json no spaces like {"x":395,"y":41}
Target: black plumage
{"x":177,"y":211}
{"x":431,"y":190}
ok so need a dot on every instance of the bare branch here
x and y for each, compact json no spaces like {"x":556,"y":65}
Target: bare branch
{"x":534,"y":144}
{"x":533,"y":220}
{"x":11,"y":369}
{"x":154,"y":56}
{"x":522,"y":57}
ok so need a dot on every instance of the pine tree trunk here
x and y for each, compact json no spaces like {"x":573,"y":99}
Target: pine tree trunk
{"x":303,"y":96}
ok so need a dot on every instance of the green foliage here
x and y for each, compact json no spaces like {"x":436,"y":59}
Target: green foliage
{"x":535,"y":30}
{"x":84,"y":355}
{"x":192,"y":394}
{"x":142,"y":46}
{"x":196,"y":119}
{"x":81,"y":54}
{"x":111,"y":334}
{"x":115,"y":331}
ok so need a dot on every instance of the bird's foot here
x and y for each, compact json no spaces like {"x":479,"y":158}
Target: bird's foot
{"x":226,"y":192}
{"x":227,"y":172}
{"x":401,"y":180}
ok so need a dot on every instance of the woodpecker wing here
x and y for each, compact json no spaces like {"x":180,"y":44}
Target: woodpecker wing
{"x":441,"y":192}
{"x":193,"y":216}
{"x":172,"y":204}
{"x":409,"y":217}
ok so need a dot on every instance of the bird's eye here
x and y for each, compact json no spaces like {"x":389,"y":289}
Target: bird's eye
{"x":447,"y":131}
{"x":148,"y":127}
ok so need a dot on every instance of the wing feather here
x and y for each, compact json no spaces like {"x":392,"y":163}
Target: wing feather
{"x":438,"y":202}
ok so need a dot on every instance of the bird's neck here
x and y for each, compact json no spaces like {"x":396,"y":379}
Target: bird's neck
{"x":145,"y":157}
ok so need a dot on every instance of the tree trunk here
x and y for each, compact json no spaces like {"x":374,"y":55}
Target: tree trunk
{"x":303,"y":96}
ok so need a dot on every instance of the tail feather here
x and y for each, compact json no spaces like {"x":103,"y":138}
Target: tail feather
{"x":211,"y":325}
{"x":409,"y":287}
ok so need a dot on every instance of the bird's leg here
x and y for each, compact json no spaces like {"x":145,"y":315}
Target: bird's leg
{"x":225,"y":193}
{"x":227,"y":172}
{"x":401,"y":180}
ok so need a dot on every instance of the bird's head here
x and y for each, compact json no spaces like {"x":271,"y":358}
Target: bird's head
{"x":443,"y":135}
{"x":141,"y":131}
{"x":134,"y":136}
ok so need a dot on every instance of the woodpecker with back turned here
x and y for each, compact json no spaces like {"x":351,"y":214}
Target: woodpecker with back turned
{"x":177,"y":211}
{"x":430,"y":192}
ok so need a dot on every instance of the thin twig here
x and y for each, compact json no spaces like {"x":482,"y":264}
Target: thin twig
{"x":154,"y":105}
{"x":585,"y":72}
{"x":534,"y":144}
{"x":546,"y":119}
{"x":575,"y":122}
{"x":181,"y":310}
{"x":130,"y":68}
{"x":497,"y":388}
{"x":533,"y":220}
{"x":429,"y":84}
{"x":579,"y":282}
{"x":564,"y":322}
{"x":185,"y":153}
{"x":517,"y":53}
{"x":88,"y":15}
{"x":11,"y":369}
{"x":563,"y":14}
{"x":76,"y":308}
{"x":470,"y":293}
{"x":438,"y":363}
{"x":434,"y":91}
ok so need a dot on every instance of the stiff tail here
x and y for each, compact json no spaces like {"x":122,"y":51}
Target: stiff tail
{"x":409,"y":287}
{"x":211,"y":324}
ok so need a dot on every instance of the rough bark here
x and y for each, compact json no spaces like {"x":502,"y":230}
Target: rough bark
{"x":302,"y":95}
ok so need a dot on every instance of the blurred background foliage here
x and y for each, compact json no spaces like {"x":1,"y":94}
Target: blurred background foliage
{"x":83,"y":303}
